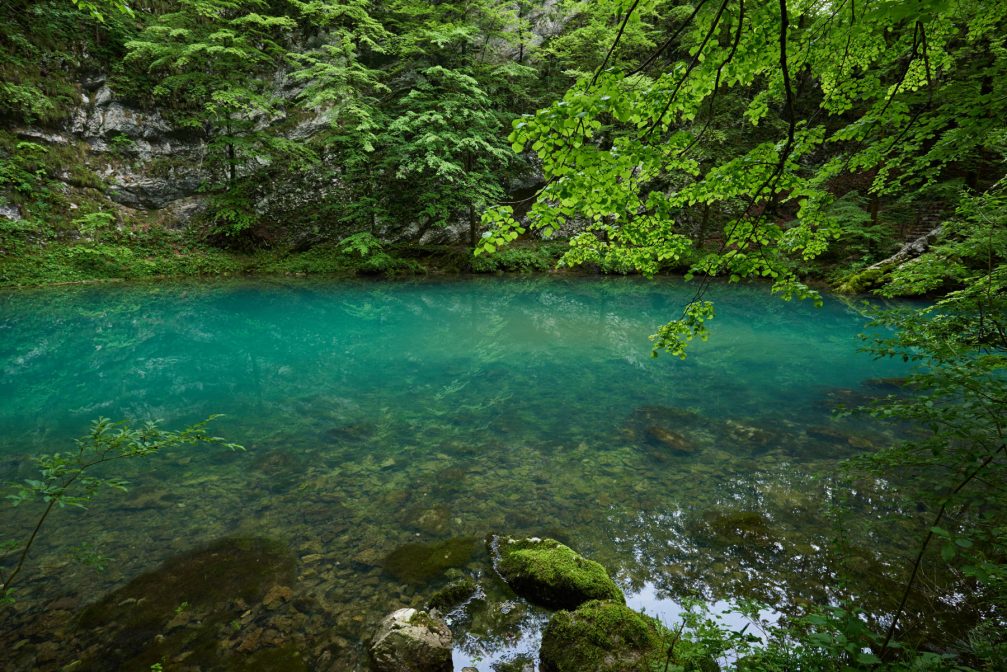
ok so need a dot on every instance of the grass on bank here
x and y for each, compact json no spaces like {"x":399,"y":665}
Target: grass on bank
{"x":139,"y":254}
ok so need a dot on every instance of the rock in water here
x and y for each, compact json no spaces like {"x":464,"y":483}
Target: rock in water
{"x":184,"y":608}
{"x":411,"y":641}
{"x":418,"y":563}
{"x":453,"y":594}
{"x":673,"y":442}
{"x":548,"y":573}
{"x":600,"y":637}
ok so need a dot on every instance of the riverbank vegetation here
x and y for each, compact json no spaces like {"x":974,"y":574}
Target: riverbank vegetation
{"x":790,"y":141}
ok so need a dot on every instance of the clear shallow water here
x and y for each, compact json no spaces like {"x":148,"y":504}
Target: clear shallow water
{"x":381,"y":414}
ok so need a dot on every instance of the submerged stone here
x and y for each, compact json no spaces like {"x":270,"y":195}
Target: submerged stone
{"x":739,"y":528}
{"x":432,"y":520}
{"x":418,"y":563}
{"x":749,"y":436}
{"x":670,"y":441}
{"x":548,"y":573}
{"x":453,"y":594}
{"x":353,"y":432}
{"x":181,"y":610}
{"x":411,"y":641}
{"x":601,"y":637}
{"x":666,"y":415}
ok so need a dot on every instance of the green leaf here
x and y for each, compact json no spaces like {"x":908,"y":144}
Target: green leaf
{"x":948,"y":552}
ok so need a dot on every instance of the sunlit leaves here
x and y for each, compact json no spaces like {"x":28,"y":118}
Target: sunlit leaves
{"x":675,"y":336}
{"x":628,"y":151}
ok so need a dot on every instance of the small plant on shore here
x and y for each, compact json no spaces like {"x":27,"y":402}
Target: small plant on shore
{"x":69,"y":479}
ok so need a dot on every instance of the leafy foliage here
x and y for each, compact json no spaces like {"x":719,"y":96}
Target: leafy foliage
{"x":446,"y":149}
{"x":72,"y":478}
{"x":903,"y":95}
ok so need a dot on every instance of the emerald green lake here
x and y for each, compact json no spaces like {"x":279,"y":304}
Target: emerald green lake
{"x":389,"y":428}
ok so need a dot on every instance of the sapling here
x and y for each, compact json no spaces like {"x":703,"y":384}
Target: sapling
{"x":68,"y":478}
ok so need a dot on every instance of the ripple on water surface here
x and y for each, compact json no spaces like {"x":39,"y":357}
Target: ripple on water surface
{"x":390,"y":426}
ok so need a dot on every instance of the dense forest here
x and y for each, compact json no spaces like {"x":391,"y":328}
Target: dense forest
{"x":856,"y":146}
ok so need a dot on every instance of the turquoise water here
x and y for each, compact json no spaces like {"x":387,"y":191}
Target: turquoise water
{"x":381,"y":414}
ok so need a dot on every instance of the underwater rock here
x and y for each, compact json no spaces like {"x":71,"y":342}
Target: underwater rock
{"x":731,"y":528}
{"x":670,"y":441}
{"x":411,"y":641}
{"x":433,"y":520}
{"x":550,"y":574}
{"x":749,"y":436}
{"x":826,"y":434}
{"x":350,"y":433}
{"x":453,"y":594}
{"x":183,"y":607}
{"x":601,"y":637}
{"x":417,"y":563}
{"x":666,"y":415}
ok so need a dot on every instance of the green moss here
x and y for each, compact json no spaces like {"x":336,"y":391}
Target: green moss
{"x":602,"y":637}
{"x":419,"y":563}
{"x":453,"y":594}
{"x":859,"y":283}
{"x":56,"y":263}
{"x":548,"y":573}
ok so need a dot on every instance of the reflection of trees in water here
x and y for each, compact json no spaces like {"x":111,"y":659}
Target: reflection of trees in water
{"x":497,"y":626}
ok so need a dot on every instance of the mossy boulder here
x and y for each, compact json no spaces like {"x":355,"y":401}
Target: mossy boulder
{"x":411,"y":641}
{"x":453,"y":594}
{"x":602,"y":637}
{"x":552,"y":575}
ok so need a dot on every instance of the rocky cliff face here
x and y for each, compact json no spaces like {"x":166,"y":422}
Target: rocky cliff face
{"x":148,"y":165}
